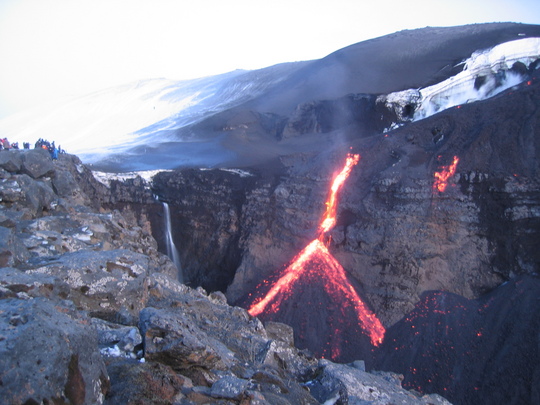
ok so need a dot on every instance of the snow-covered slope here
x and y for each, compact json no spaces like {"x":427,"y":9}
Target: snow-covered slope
{"x":142,"y":112}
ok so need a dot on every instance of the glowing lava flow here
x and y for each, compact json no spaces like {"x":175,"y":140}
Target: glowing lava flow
{"x":315,"y":264}
{"x":441,"y":178}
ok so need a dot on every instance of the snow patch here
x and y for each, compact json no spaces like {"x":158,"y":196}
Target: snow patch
{"x":485,"y":74}
{"x":106,"y":178}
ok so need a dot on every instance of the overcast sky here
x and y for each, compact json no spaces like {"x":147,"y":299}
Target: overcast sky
{"x":54,"y":48}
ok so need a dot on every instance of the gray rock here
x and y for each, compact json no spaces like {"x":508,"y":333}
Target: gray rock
{"x":126,"y":338}
{"x":109,"y":284}
{"x":10,"y":161}
{"x":12,"y":249}
{"x":38,"y":195}
{"x":345,"y":383}
{"x":229,"y":387}
{"x":48,"y":354}
{"x":37,"y":163}
{"x":144,"y":383}
{"x":280,"y":331}
{"x":170,"y":338}
{"x":11,"y":191}
{"x":281,"y":355}
{"x":26,"y":286}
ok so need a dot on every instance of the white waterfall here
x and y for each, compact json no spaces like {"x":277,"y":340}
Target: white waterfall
{"x":172,"y":252}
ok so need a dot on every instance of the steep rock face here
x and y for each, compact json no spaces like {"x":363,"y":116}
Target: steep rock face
{"x":206,"y":208}
{"x":396,"y":234}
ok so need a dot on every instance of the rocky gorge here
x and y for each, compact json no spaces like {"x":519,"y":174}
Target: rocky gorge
{"x":435,"y":239}
{"x":91,"y":312}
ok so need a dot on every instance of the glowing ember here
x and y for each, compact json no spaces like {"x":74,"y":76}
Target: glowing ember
{"x":315,"y":264}
{"x":441,"y":178}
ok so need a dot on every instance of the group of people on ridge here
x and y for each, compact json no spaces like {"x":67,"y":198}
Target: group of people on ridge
{"x":40,"y":144}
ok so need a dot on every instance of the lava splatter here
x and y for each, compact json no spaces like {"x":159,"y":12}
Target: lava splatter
{"x":441,"y":178}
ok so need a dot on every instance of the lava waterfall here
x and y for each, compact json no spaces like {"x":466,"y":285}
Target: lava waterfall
{"x":315,"y":283}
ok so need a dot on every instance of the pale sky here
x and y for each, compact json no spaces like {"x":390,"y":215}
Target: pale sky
{"x":57,"y":48}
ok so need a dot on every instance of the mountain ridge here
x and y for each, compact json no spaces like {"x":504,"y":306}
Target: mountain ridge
{"x":186,"y":114}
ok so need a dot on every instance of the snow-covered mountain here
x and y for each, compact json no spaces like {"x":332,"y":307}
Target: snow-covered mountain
{"x":217,"y":120}
{"x":116,"y":119}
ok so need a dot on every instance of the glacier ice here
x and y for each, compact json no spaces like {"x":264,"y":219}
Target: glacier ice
{"x":485,"y":74}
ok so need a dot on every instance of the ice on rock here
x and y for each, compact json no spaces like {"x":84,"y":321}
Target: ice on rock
{"x":485,"y":74}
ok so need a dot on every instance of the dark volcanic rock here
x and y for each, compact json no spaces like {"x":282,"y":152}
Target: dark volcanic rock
{"x":206,"y":209}
{"x":144,"y":383}
{"x":37,"y":163}
{"x":83,"y":278}
{"x":345,"y":384}
{"x":171,"y":339}
{"x":466,"y":349}
{"x":48,"y":354}
{"x":11,"y":162}
{"x":109,"y":284}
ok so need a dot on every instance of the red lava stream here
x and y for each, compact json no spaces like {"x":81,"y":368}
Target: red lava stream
{"x":315,"y":262}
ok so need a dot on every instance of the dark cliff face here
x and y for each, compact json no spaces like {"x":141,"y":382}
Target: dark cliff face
{"x":206,"y":214}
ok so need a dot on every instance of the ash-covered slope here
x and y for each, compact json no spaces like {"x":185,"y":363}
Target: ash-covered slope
{"x":407,"y":59}
{"x":482,"y":351}
{"x":145,"y":112}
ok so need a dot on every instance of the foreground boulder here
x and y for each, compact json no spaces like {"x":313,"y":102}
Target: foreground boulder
{"x":48,"y":354}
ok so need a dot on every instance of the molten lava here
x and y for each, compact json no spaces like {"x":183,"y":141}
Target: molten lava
{"x":315,"y":265}
{"x":441,"y":178}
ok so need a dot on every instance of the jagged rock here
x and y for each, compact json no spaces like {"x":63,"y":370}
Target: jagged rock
{"x":339,"y":382}
{"x":280,"y":331}
{"x":144,"y":383}
{"x":36,"y":163}
{"x":48,"y":354}
{"x":229,"y":388}
{"x":281,"y":355}
{"x":169,"y":337}
{"x":12,"y":249}
{"x":109,"y":284}
{"x":23,"y":285}
{"x":39,"y":195}
{"x":10,"y":191}
{"x":123,"y":338}
{"x":10,"y":161}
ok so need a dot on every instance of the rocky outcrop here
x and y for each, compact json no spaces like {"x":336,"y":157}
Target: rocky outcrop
{"x":49,"y":354}
{"x":92,"y":313}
